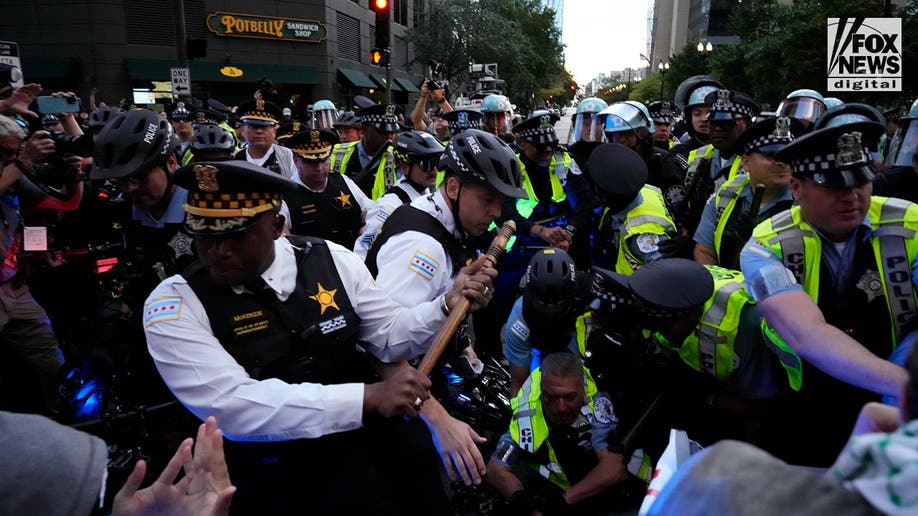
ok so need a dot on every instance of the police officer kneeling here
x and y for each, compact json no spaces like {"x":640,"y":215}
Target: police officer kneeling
{"x":263,"y":334}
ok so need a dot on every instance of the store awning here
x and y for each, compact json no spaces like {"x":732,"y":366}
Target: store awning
{"x":355,"y":78}
{"x":47,"y":67}
{"x":407,"y":85}
{"x":158,"y":70}
{"x":380,"y":79}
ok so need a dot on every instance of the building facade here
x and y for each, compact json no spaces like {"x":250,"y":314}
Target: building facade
{"x":124,"y":49}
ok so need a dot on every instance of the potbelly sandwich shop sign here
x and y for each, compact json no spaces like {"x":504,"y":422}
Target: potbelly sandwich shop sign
{"x":236,"y":25}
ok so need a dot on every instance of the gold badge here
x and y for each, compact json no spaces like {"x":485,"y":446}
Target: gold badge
{"x":344,"y":199}
{"x":850,"y":150}
{"x":314,"y":137}
{"x":325,"y":298}
{"x":296,"y":127}
{"x":207,"y":178}
{"x":259,"y":101}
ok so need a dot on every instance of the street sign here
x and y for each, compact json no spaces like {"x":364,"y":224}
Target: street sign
{"x":9,"y":54}
{"x":181,"y":82}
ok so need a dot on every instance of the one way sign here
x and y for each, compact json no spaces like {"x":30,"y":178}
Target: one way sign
{"x":181,"y":82}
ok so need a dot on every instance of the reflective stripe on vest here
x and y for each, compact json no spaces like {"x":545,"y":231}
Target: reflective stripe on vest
{"x":529,"y":430}
{"x":386,"y":171}
{"x":724,"y":203}
{"x":708,"y":152}
{"x":650,"y":216}
{"x":340,"y":155}
{"x":709,"y":349}
{"x":788,"y":236}
{"x":557,"y":168}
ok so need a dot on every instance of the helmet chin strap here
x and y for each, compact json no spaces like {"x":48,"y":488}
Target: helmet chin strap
{"x":454,"y":209}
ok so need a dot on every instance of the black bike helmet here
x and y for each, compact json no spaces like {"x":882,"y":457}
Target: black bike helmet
{"x":551,"y":284}
{"x":210,"y":137}
{"x":414,"y":146}
{"x":132,"y":142}
{"x":481,"y":157}
{"x":102,"y":116}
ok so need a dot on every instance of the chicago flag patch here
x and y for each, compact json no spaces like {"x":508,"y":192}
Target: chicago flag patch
{"x":423,"y":265}
{"x":162,"y":309}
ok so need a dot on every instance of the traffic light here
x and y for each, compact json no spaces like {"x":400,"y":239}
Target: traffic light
{"x":379,"y":56}
{"x":381,"y":9}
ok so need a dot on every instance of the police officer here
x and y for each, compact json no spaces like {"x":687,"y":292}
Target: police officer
{"x":136,"y":150}
{"x":805,"y":106}
{"x":739,"y":205}
{"x":324,"y":205}
{"x":730,"y":113}
{"x":832,"y":277}
{"x":586,"y":131}
{"x":263,"y":333}
{"x":634,"y":220}
{"x":259,"y":119}
{"x":498,"y":114}
{"x":560,"y":431}
{"x":901,"y":180}
{"x":459,"y":120}
{"x":628,"y":123}
{"x":369,"y":161}
{"x":661,"y":112}
{"x":418,"y":155}
{"x":212,"y":143}
{"x":324,"y":115}
{"x":689,"y":100}
{"x":180,"y":118}
{"x":348,"y":127}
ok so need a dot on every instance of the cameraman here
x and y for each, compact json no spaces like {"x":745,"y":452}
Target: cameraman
{"x":431,"y":91}
{"x":25,"y":330}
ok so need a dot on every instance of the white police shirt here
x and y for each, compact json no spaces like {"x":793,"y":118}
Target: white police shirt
{"x":415,"y":265}
{"x":377,"y":215}
{"x":207,"y":380}
{"x":284,"y":160}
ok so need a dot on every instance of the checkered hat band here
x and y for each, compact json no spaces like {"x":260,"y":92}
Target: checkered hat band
{"x":538,"y":131}
{"x":765,"y":140}
{"x":657,"y":312}
{"x":736,"y":109}
{"x":378,"y":119}
{"x":821,"y":163}
{"x":245,"y":204}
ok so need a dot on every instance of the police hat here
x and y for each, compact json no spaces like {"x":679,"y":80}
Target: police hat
{"x":661,"y":111}
{"x":347,"y":119}
{"x":835,"y":157}
{"x":767,"y":136}
{"x":538,"y":129}
{"x":180,"y":112}
{"x":381,"y":116}
{"x":618,"y":172}
{"x":259,"y":112}
{"x":50,"y":119}
{"x":731,"y":105}
{"x":225,"y":197}
{"x":288,"y":129}
{"x":461,"y":119}
{"x":311,"y":144}
{"x":671,"y":287}
{"x":610,"y":289}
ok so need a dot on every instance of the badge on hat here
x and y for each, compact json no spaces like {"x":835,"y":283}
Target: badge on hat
{"x":723,"y":102}
{"x":850,"y":150}
{"x":545,"y":123}
{"x":390,"y":110}
{"x":259,"y":101}
{"x":206,"y":176}
{"x":782,"y":127}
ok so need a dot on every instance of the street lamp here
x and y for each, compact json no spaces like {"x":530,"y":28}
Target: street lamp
{"x":663,"y":68}
{"x":704,"y":49}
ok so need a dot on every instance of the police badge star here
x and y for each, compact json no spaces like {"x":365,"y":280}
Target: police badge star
{"x":723,"y":101}
{"x":206,"y":175}
{"x":782,"y":127}
{"x":850,"y":150}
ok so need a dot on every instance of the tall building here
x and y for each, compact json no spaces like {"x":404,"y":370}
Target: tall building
{"x":558,"y":7}
{"x":308,"y":49}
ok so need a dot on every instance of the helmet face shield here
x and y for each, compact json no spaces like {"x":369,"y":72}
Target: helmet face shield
{"x":623,"y":117}
{"x":325,"y":118}
{"x":587,"y":127}
{"x":698,"y":95}
{"x":802,"y":108}
{"x":497,"y":122}
{"x":908,"y":143}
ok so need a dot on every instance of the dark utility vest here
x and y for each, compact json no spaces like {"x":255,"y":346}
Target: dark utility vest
{"x":331,"y":215}
{"x":310,"y":337}
{"x":409,"y":218}
{"x":270,"y":164}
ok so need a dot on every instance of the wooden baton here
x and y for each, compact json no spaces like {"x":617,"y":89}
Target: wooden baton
{"x":458,"y":312}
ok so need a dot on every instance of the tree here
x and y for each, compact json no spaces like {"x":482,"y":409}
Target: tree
{"x":518,"y":35}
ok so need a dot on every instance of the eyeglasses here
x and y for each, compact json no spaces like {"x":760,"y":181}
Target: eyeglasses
{"x":428,"y":164}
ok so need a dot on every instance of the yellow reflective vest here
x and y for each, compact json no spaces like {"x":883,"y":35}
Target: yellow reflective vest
{"x":707,"y":152}
{"x":529,"y":429}
{"x":386,"y":171}
{"x":648,"y":217}
{"x":894,"y":223}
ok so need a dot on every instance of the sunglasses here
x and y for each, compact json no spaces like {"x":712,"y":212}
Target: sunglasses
{"x":541,"y":147}
{"x":428,"y":164}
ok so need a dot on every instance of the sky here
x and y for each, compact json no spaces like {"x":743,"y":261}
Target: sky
{"x":603,"y":35}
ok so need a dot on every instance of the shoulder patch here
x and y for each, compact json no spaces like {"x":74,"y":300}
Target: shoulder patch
{"x":162,"y":309}
{"x":382,"y":215}
{"x":603,"y":411}
{"x":647,"y":242}
{"x":423,"y":265}
{"x":519,"y":329}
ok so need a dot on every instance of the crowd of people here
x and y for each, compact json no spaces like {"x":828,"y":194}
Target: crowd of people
{"x":694,"y":264}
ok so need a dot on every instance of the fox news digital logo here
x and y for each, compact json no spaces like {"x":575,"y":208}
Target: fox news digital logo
{"x":865,"y":54}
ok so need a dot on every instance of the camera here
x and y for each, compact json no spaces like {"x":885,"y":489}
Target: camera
{"x":9,"y":74}
{"x":53,"y":175}
{"x":69,"y":144}
{"x":433,"y":85}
